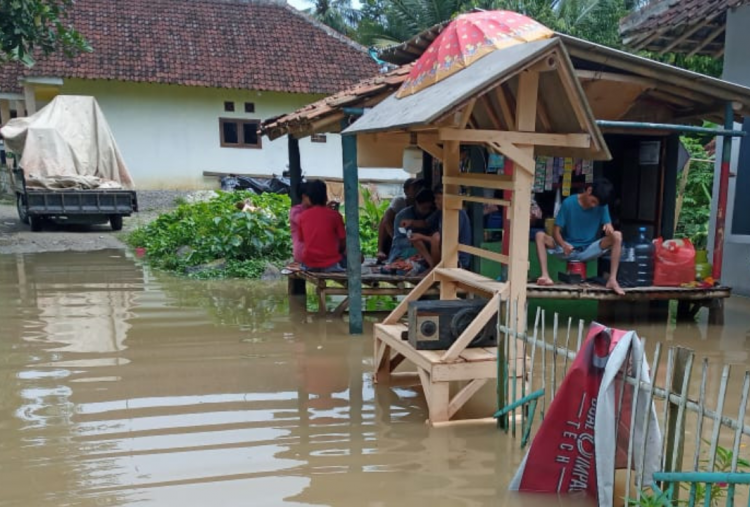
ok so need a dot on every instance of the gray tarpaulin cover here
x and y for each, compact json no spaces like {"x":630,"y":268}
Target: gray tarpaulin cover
{"x":67,"y":144}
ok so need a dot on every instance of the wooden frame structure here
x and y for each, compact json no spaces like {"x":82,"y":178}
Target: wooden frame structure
{"x":515,"y":102}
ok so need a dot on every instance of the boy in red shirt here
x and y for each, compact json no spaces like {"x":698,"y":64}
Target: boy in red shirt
{"x":321,"y":231}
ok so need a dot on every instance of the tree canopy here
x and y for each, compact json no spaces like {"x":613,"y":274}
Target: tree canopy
{"x":31,"y":27}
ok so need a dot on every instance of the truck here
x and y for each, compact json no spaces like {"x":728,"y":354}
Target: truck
{"x":66,"y":166}
{"x":36,"y":206}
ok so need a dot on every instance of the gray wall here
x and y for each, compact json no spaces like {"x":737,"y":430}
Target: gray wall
{"x":736,"y":271}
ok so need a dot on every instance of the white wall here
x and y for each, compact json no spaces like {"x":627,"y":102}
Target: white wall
{"x":169,"y":134}
{"x":736,"y":264}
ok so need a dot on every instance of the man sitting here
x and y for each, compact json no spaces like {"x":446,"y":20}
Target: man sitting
{"x":386,"y":228}
{"x":321,"y":231}
{"x":429,"y":245}
{"x":576,"y":233}
{"x":404,"y":257}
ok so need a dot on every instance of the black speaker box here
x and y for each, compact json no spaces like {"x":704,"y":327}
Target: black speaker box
{"x":435,"y":325}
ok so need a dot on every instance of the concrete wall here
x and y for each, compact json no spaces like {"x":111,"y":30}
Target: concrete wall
{"x":736,"y":268}
{"x":169,"y":135}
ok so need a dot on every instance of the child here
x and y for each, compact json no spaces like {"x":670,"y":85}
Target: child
{"x":321,"y":231}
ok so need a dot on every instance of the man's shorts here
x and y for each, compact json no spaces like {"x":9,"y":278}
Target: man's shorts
{"x":583,"y":254}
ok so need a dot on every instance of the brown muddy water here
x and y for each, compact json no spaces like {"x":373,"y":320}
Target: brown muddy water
{"x":119,"y":386}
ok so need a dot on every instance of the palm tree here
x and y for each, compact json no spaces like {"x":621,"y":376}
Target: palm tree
{"x":337,"y":14}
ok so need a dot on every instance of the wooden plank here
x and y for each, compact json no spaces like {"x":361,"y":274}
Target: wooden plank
{"x":485,"y":254}
{"x":457,"y":201}
{"x":686,"y":34}
{"x":494,"y":136}
{"x":479,"y":354}
{"x":448,"y":372}
{"x":424,"y":378}
{"x":464,"y":395}
{"x":471,"y":280}
{"x":414,"y":295}
{"x":391,"y":335}
{"x":708,"y":40}
{"x":439,"y":401}
{"x":431,"y":148}
{"x":451,"y":171}
{"x":478,"y":180}
{"x":471,"y":331}
{"x":466,"y":113}
{"x":506,"y":107}
{"x":528,"y":91}
{"x":518,"y":156}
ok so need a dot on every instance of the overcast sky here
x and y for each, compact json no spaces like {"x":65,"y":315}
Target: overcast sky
{"x":306,"y":4}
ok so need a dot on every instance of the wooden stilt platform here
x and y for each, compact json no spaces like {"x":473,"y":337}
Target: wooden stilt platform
{"x":473,"y":367}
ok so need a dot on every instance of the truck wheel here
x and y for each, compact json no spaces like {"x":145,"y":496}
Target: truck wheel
{"x":21,"y":207}
{"x":36,"y":223}
{"x":116,"y":222}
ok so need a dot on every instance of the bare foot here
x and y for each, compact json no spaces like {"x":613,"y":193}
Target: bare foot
{"x":545,"y":281}
{"x":612,"y":284}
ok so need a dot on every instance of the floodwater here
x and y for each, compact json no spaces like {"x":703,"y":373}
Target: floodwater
{"x":119,"y":386}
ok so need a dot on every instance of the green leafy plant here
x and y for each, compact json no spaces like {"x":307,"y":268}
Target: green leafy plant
{"x":722,"y":463}
{"x":696,"y":202}
{"x":205,"y":232}
{"x":370,"y":215}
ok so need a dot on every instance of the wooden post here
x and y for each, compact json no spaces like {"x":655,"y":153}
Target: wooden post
{"x":30,"y":99}
{"x":675,"y":431}
{"x":477,"y":161}
{"x":296,"y":285}
{"x":353,"y":251}
{"x":4,"y":111}
{"x":526,"y":105}
{"x":451,"y":161}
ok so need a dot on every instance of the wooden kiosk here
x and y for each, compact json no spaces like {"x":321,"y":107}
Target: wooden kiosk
{"x":518,"y":102}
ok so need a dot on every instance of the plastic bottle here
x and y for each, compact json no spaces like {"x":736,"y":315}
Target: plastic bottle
{"x":644,"y":258}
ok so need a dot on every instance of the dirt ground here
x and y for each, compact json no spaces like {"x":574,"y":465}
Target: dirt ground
{"x":16,"y":237}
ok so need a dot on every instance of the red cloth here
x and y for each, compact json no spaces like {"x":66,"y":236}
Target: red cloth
{"x":321,"y":230}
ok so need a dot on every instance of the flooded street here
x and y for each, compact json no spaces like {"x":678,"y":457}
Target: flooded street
{"x":119,"y":386}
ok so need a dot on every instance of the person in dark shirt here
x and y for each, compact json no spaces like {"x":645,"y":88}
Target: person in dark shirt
{"x":411,"y":220}
{"x":386,"y":228}
{"x":321,"y":231}
{"x":429,"y":245}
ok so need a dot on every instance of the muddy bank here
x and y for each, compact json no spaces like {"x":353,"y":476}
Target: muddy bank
{"x":16,"y":237}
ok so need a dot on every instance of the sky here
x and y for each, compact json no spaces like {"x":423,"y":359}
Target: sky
{"x":306,"y":4}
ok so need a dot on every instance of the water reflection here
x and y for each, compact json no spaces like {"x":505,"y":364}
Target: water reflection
{"x":120,"y":386}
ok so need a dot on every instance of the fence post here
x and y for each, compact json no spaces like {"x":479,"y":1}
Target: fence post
{"x":675,"y":433}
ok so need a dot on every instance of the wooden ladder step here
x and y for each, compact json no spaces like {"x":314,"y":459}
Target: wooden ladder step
{"x":472,"y":280}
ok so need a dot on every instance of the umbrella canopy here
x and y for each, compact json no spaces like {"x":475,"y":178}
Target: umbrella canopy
{"x":465,"y":40}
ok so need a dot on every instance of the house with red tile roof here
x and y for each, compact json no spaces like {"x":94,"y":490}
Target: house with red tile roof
{"x":185,"y":84}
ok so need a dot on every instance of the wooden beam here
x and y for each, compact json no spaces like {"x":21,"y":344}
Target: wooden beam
{"x":417,"y":292}
{"x":544,"y":115}
{"x":464,"y":395}
{"x":679,"y":40}
{"x":668,"y":97}
{"x":505,"y":107}
{"x":595,"y":75}
{"x":486,"y":254}
{"x":645,"y":41}
{"x":479,"y":180}
{"x":517,"y":155}
{"x":473,"y":329}
{"x":431,"y":148}
{"x":495,"y":136}
{"x":458,"y":200}
{"x":708,"y":40}
{"x":528,"y":92}
{"x":465,"y":116}
{"x":490,"y":108}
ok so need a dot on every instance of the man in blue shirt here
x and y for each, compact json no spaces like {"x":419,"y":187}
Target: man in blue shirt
{"x":576,"y":234}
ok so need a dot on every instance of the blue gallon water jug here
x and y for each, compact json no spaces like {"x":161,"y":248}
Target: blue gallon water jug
{"x":644,"y":258}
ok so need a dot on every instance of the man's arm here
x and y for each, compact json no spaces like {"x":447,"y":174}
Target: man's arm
{"x":388,"y":218}
{"x":557,"y":235}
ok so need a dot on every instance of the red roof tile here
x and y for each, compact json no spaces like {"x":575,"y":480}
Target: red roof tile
{"x":367,"y":93}
{"x":245,"y":44}
{"x":655,"y":26}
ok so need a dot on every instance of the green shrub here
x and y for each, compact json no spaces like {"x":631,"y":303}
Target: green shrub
{"x":216,"y":229}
